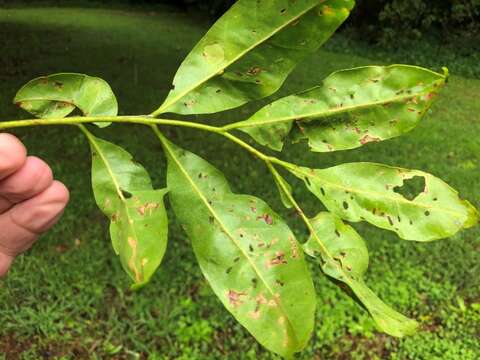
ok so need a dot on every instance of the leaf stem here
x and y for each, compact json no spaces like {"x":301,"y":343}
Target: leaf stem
{"x":74,"y":120}
{"x":153,"y":123}
{"x":144,"y":120}
{"x":297,"y":207}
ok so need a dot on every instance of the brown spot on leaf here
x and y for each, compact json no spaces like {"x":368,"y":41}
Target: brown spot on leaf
{"x":293,"y":247}
{"x":279,"y":259}
{"x":132,"y":262}
{"x":267,"y":218}
{"x":368,"y":139}
{"x":148,"y":207}
{"x":255,"y":70}
{"x":254,"y":314}
{"x":115,"y":217}
{"x":235,"y":297}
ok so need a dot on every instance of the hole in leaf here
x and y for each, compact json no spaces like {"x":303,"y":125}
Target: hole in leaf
{"x":411,"y":188}
{"x":345,"y":205}
{"x":126,"y":194}
{"x":427,"y":213}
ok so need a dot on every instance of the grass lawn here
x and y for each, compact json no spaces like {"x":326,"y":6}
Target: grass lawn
{"x":69,"y":298}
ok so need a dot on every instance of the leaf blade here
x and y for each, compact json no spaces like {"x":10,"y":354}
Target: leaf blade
{"x":232,"y":64}
{"x":350,"y":109}
{"x":249,"y":256}
{"x":348,"y":264}
{"x":138,"y":219}
{"x":58,"y":95}
{"x":371,"y":192}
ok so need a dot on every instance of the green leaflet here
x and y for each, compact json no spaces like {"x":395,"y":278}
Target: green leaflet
{"x":348,"y":263}
{"x":247,"y":253}
{"x":249,"y":52}
{"x":56,"y":96}
{"x":138,"y":220}
{"x":283,"y":186}
{"x":373,"y":193}
{"x":350,"y":109}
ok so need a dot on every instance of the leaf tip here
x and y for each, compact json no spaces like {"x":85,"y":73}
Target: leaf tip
{"x":137,"y":286}
{"x":446,"y":73}
{"x":473,"y":215}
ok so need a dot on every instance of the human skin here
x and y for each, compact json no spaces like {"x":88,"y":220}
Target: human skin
{"x":31,"y":201}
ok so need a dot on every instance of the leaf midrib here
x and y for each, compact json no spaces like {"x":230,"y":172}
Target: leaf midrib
{"x":230,"y":236}
{"x":130,"y":220}
{"x":328,"y":112}
{"x":346,"y":277}
{"x":167,"y":105}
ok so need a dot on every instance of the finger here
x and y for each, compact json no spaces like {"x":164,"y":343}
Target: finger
{"x":12,"y":155}
{"x":5,"y":263}
{"x":22,"y":224}
{"x":31,"y":179}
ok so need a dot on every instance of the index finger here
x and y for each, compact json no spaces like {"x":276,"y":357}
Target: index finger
{"x":12,"y":155}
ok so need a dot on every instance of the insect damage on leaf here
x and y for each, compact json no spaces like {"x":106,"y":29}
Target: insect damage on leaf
{"x":124,"y":193}
{"x":57,"y":95}
{"x":232,"y":64}
{"x":245,"y":251}
{"x":344,"y":257}
{"x":351,"y":108}
{"x":370,"y":192}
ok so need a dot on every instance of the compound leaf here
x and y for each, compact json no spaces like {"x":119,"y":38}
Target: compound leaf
{"x":138,"y":219}
{"x":347,"y":263}
{"x":56,"y":96}
{"x":249,"y":52}
{"x":385,"y":197}
{"x":247,"y":253}
{"x":350,"y":109}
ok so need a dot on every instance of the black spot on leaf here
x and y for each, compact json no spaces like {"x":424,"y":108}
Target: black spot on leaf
{"x":390,"y":221}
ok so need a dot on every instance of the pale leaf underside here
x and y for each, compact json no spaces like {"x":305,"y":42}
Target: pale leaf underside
{"x":374,"y":193}
{"x":57,"y":95}
{"x":350,"y":109}
{"x":248,"y":254}
{"x":347,"y":262}
{"x":138,"y":219}
{"x":250,"y":51}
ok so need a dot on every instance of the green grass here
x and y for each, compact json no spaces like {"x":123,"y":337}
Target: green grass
{"x":69,"y":298}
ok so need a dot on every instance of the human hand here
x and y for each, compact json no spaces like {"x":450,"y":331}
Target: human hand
{"x":31,"y":202}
